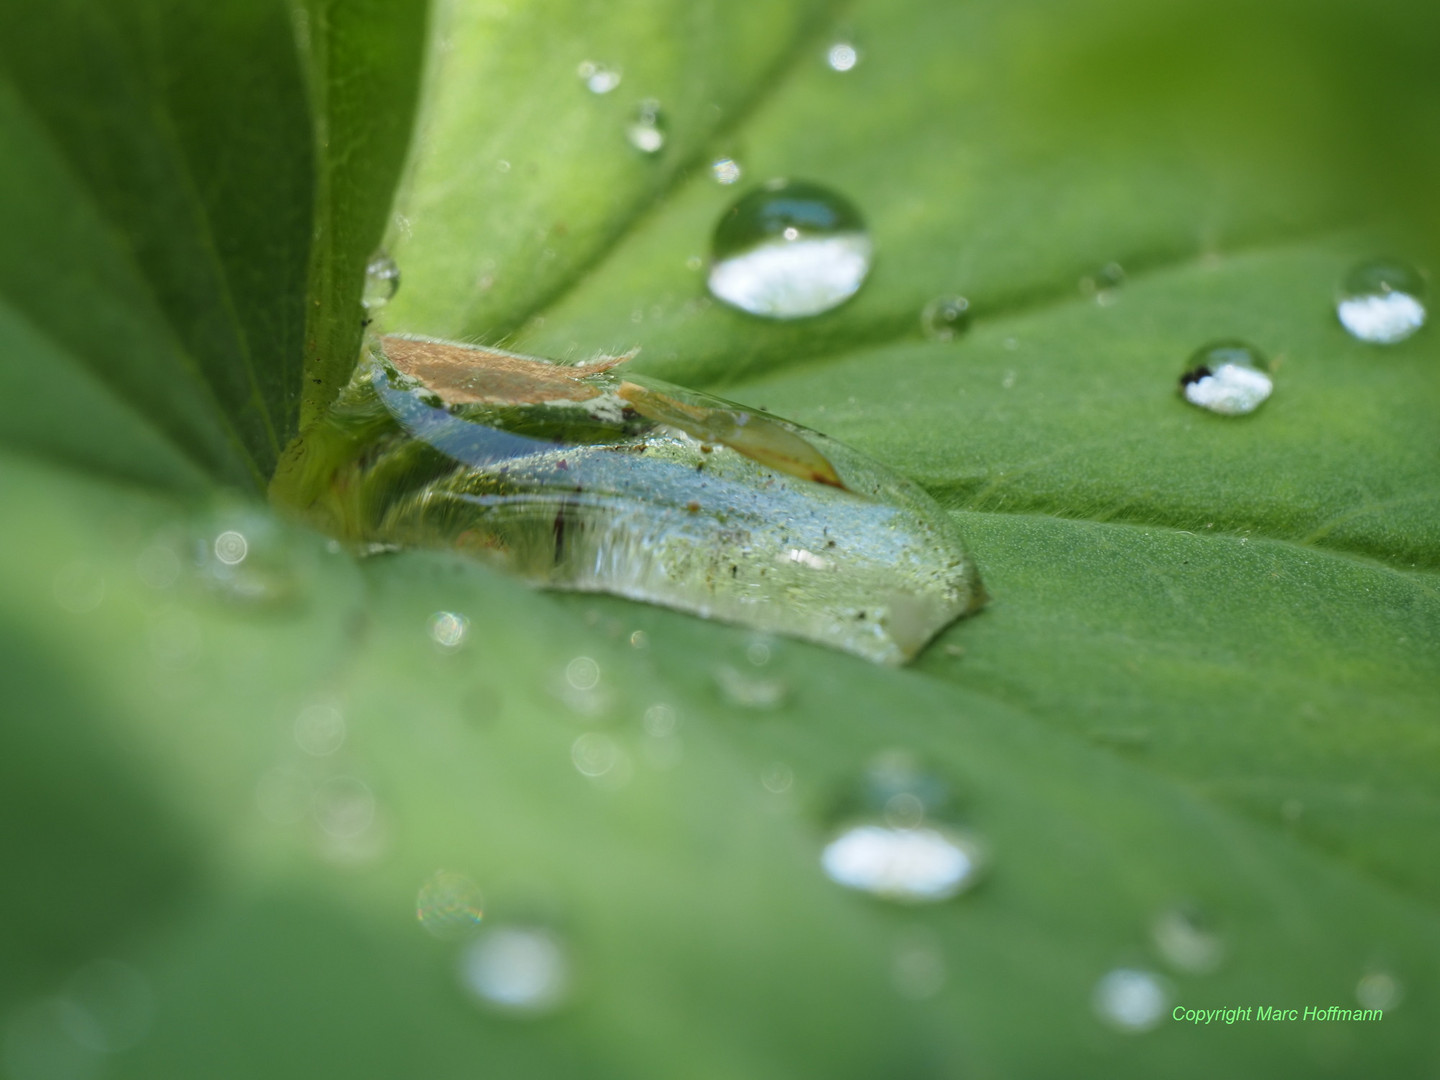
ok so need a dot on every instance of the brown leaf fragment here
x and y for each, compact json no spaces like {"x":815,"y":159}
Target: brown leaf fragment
{"x":466,"y":375}
{"x":754,"y":436}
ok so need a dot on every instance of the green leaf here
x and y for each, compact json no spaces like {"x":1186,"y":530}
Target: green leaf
{"x":1208,"y":673}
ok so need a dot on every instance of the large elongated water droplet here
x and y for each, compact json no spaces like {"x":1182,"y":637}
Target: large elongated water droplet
{"x":789,"y":249}
{"x":1382,"y":301}
{"x":382,"y":281}
{"x":1227,"y":377}
{"x":589,"y":479}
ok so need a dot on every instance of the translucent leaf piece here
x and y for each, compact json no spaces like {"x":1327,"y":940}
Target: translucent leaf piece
{"x":583,"y":478}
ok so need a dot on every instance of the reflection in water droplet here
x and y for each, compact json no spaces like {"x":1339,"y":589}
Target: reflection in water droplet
{"x":1187,"y":939}
{"x":726,"y":170}
{"x":923,"y":865}
{"x":1131,"y":1000}
{"x":842,"y":56}
{"x":584,"y":478}
{"x":646,"y":129}
{"x":231,"y":547}
{"x":449,"y":906}
{"x":582,"y":673}
{"x":517,"y":969}
{"x":1382,"y":301}
{"x":448,"y":629}
{"x":320,"y":729}
{"x":595,"y":755}
{"x":382,"y":281}
{"x":750,"y":691}
{"x":598,"y":78}
{"x":112,"y":1006}
{"x":945,"y":317}
{"x":788,"y":250}
{"x":1379,"y":990}
{"x":1227,"y":377}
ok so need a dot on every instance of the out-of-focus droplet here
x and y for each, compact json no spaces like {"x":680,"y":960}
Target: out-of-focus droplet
{"x":523,"y":970}
{"x":750,"y":691}
{"x":842,"y":56}
{"x":646,"y":129}
{"x":449,"y":906}
{"x":788,"y":250}
{"x":945,"y":317}
{"x":1379,"y":989}
{"x":602,"y":759}
{"x":1187,"y":938}
{"x":1227,"y":377}
{"x":1131,"y":1000}
{"x":1382,"y":301}
{"x":777,"y":777}
{"x":726,"y":170}
{"x":320,"y":729}
{"x":382,"y":281}
{"x":660,"y":720}
{"x":231,"y":547}
{"x":344,"y":807}
{"x":448,"y":629}
{"x":598,"y":78}
{"x":582,"y":673}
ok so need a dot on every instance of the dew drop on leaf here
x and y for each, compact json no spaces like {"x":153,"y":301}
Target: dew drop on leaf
{"x":1379,"y":989}
{"x":646,"y":129}
{"x":522,"y":970}
{"x":1382,"y":301}
{"x":382,"y":281}
{"x":598,"y":78}
{"x":449,"y":906}
{"x":788,"y":250}
{"x":1131,"y":1000}
{"x":725,"y":170}
{"x":1227,"y":377}
{"x":1187,"y":938}
{"x":580,"y":478}
{"x":842,"y":56}
{"x":945,"y":317}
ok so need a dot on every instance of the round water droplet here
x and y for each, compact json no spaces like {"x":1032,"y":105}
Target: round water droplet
{"x":1187,"y":939}
{"x":382,"y":280}
{"x":660,"y":720}
{"x":448,"y":629}
{"x":320,"y":729}
{"x":449,"y":906}
{"x":725,"y":170}
{"x":1382,"y":301}
{"x":945,"y":317}
{"x":788,"y":250}
{"x":777,"y":777}
{"x":598,"y":78}
{"x":1378,"y":989}
{"x":749,"y":691}
{"x":582,"y":673}
{"x":231,"y":547}
{"x":1131,"y":1000}
{"x":842,"y":56}
{"x":646,"y":129}
{"x":1227,"y":377}
{"x":517,"y":969}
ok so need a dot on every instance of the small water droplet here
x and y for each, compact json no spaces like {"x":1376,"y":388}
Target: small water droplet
{"x":945,"y":317}
{"x":1131,"y":1000}
{"x":598,"y":78}
{"x":1379,"y":989}
{"x":842,"y":56}
{"x":1187,"y":939}
{"x":502,"y":166}
{"x":660,"y":720}
{"x":344,"y":807}
{"x":449,"y":906}
{"x":639,"y":640}
{"x":231,"y":547}
{"x":524,"y":970}
{"x":595,"y":755}
{"x":582,"y":673}
{"x":320,"y":729}
{"x":1227,"y":377}
{"x":749,"y":691}
{"x":382,"y":281}
{"x":788,"y":250}
{"x":449,"y":629}
{"x":726,"y":170}
{"x":646,"y":129}
{"x":777,"y":777}
{"x":1382,"y":301}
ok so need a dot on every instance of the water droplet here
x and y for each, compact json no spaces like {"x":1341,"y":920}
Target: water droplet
{"x":320,"y":729}
{"x":582,"y":673}
{"x":382,"y":281}
{"x":590,"y":479}
{"x":231,"y":547}
{"x":894,"y":840}
{"x":344,"y":807}
{"x":777,"y":777}
{"x":759,"y":651}
{"x":1187,"y":939}
{"x":1382,"y":301}
{"x":726,"y":170}
{"x":788,"y":250}
{"x":448,"y":629}
{"x":660,"y":720}
{"x":1227,"y":377}
{"x":517,"y":969}
{"x":945,"y":317}
{"x":598,"y":78}
{"x":449,"y":906}
{"x":646,"y":129}
{"x":749,"y":691}
{"x":842,"y":56}
{"x":248,"y":558}
{"x":594,"y":754}
{"x":1131,"y":1000}
{"x":1378,"y":989}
